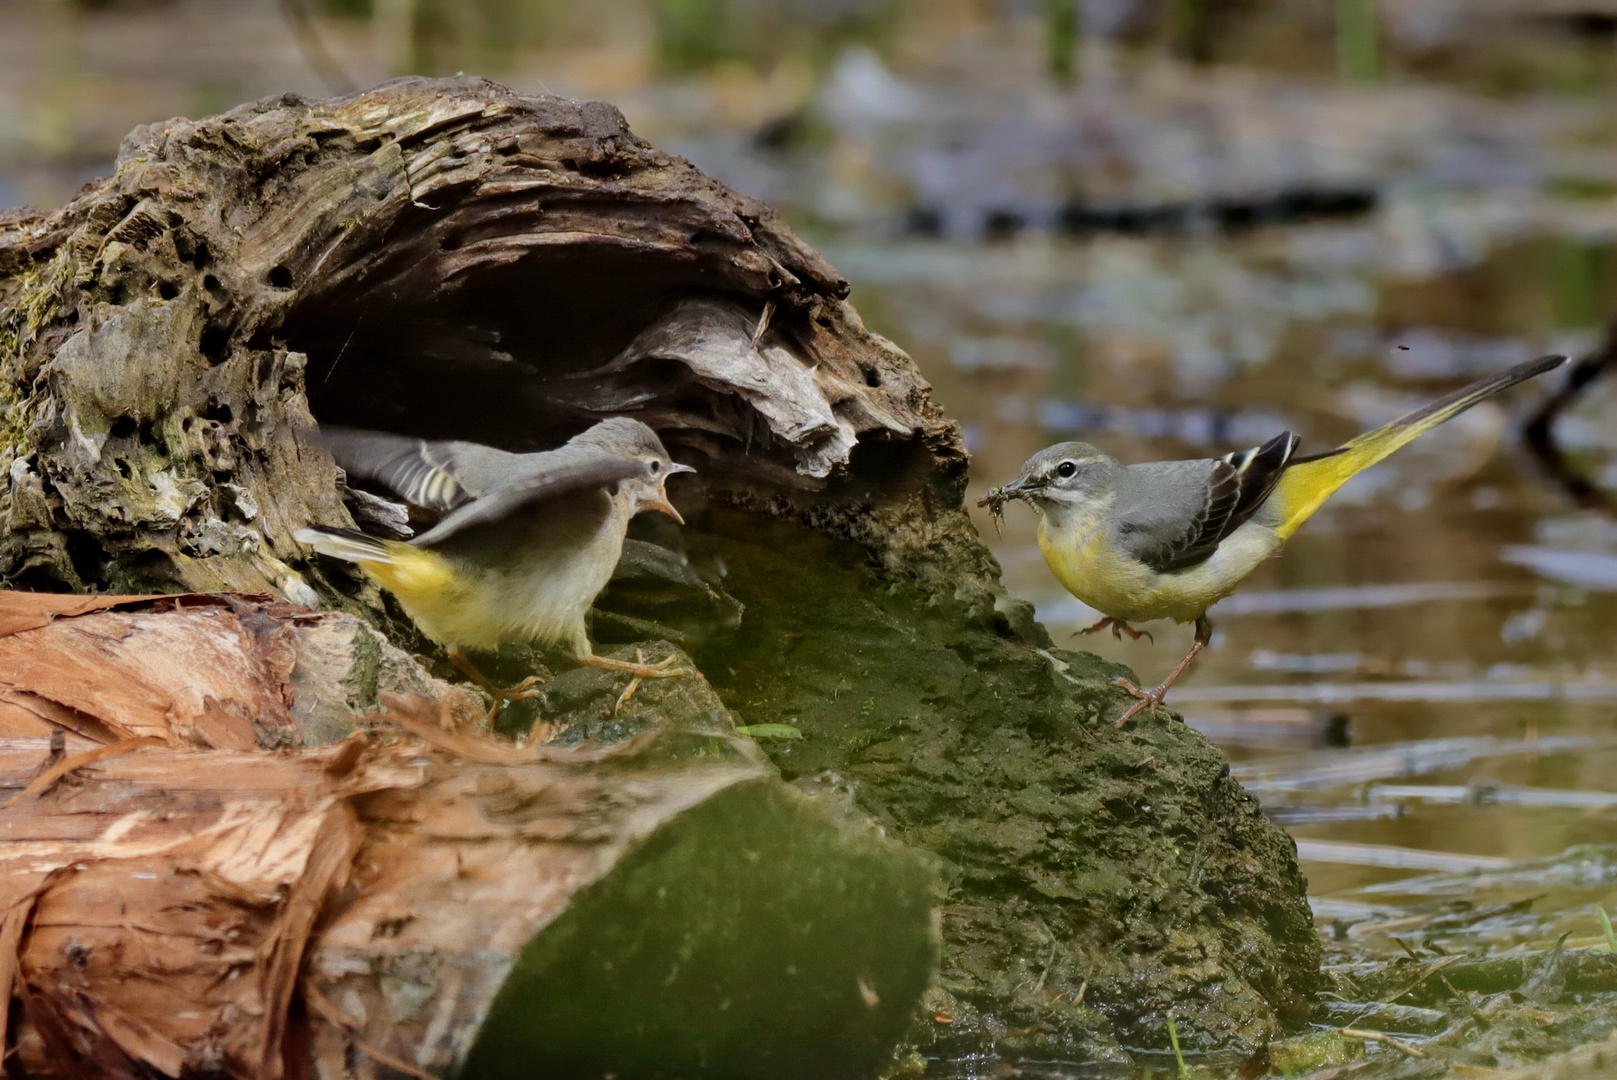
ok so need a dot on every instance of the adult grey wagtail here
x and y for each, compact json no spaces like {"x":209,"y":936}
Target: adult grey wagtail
{"x":527,"y":541}
{"x":1169,"y":539}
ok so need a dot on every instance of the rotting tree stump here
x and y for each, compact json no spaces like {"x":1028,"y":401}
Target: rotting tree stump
{"x":176,"y":901}
{"x":448,"y":258}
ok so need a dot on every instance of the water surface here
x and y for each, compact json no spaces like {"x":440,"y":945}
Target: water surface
{"x":1449,"y":606}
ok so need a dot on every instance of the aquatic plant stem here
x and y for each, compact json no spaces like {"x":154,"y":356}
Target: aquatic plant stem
{"x":1061,"y":30}
{"x":1357,"y":45}
{"x":1605,"y":924}
{"x":1382,"y":1037}
{"x":1173,"y":1039}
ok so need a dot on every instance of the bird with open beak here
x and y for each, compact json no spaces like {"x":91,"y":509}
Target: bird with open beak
{"x":526,"y":543}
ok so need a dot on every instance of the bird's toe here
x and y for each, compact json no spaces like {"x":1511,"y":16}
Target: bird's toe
{"x":1146,"y":700}
{"x":1143,"y":695}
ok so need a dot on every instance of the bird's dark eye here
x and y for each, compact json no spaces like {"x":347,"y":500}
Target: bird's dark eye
{"x":656,"y":467}
{"x":1066,"y":469}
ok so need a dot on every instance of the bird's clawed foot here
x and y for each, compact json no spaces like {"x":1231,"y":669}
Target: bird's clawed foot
{"x":1119,"y":628}
{"x":638,"y":668}
{"x":1148,"y":699}
{"x":522,"y":691}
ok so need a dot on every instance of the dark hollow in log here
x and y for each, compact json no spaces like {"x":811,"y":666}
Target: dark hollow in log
{"x":446,"y":257}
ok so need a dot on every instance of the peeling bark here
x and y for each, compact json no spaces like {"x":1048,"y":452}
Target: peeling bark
{"x":447,"y":258}
{"x":210,"y":672}
{"x":432,"y":895}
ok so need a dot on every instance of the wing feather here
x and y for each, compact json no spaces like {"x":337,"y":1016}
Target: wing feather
{"x":472,"y":483}
{"x":430,"y":475}
{"x":575,"y":472}
{"x":1237,"y":484}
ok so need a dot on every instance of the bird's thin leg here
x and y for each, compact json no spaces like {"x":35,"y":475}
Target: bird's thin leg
{"x":1150,"y":699}
{"x":501,"y":694}
{"x":637,"y":668}
{"x":1119,"y":628}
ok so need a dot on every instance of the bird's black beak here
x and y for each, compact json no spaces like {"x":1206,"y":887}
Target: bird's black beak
{"x":1021,"y":487}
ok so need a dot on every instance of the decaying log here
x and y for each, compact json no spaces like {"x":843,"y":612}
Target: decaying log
{"x":449,"y":258}
{"x":225,"y":672}
{"x":183,"y":903}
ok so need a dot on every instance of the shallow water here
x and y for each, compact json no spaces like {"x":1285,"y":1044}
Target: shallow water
{"x":1450,"y":595}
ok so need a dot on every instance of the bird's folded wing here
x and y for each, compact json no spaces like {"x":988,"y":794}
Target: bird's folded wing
{"x":563,"y":472}
{"x":1173,"y":515}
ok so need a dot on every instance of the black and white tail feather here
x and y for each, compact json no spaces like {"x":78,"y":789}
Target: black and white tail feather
{"x":346,"y":544}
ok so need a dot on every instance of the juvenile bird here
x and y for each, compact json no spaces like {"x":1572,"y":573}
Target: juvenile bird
{"x":527,"y":541}
{"x":1169,"y":539}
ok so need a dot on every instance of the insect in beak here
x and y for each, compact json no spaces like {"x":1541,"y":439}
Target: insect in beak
{"x":1021,"y":486}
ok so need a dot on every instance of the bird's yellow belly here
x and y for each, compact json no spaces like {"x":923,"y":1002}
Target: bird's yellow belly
{"x":444,"y":604}
{"x":1113,"y":583}
{"x":542,"y":597}
{"x":479,"y":610}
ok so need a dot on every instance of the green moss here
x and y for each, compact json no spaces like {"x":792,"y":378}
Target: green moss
{"x":38,"y":300}
{"x":753,"y":912}
{"x":364,"y":677}
{"x":1583,"y":187}
{"x":1314,"y":1051}
{"x":1077,"y":847}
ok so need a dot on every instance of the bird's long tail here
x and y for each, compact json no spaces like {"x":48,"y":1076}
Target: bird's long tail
{"x":1308,"y":482}
{"x":349,"y":544}
{"x":401,"y":567}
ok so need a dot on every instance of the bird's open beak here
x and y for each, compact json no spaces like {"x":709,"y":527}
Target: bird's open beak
{"x":661,"y":502}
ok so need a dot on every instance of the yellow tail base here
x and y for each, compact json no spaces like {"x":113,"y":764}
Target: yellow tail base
{"x":1307,"y":484}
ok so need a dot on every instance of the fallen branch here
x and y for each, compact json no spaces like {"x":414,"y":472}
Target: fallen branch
{"x":1382,"y":1037}
{"x":1431,"y":969}
{"x":1539,"y":430}
{"x":163,"y":917}
{"x":1401,"y":1019}
{"x":1584,"y":971}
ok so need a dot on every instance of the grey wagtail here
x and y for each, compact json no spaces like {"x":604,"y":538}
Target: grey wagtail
{"x":527,"y":541}
{"x":1169,"y":539}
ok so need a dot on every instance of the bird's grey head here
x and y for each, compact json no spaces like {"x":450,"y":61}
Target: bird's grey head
{"x":1066,"y":476}
{"x":631,"y":440}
